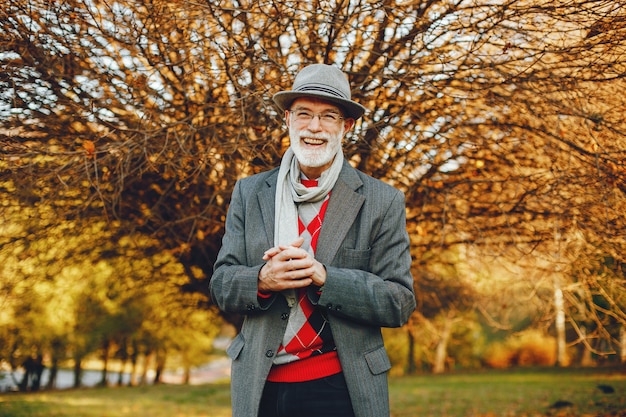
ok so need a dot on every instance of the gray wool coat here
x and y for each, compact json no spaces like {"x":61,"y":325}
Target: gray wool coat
{"x":364,"y":246}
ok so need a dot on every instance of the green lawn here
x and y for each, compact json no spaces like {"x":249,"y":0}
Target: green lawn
{"x":521,"y":393}
{"x":510,"y":394}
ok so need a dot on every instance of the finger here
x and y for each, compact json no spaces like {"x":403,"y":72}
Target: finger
{"x":300,"y":283}
{"x":295,"y":254}
{"x":271,"y":252}
{"x":301,"y":263}
{"x":295,"y":244}
{"x":298,"y":242}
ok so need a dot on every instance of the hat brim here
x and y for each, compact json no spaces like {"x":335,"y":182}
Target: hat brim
{"x":352,"y":109}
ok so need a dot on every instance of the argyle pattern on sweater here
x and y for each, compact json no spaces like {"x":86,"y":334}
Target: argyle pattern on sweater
{"x":308,"y":333}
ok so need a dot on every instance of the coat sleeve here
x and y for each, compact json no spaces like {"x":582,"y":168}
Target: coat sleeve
{"x":234,"y":284}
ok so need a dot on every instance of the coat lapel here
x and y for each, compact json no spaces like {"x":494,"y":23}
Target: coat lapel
{"x":267,"y":202}
{"x":340,"y":214}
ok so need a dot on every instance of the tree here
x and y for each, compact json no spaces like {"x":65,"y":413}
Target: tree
{"x":503,"y":123}
{"x":79,"y":289}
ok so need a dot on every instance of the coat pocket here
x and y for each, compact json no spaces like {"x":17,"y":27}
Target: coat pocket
{"x":378,"y":360}
{"x":236,"y":346}
{"x":354,"y":259}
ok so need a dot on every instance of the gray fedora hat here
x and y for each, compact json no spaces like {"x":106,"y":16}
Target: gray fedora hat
{"x":324,"y":82}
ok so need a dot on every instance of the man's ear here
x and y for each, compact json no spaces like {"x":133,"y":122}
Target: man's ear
{"x":287,"y":121}
{"x":348,"y":124}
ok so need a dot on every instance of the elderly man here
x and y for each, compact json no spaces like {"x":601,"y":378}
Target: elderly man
{"x":316,"y":256}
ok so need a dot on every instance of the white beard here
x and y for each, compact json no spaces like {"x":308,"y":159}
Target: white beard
{"x":315,"y":158}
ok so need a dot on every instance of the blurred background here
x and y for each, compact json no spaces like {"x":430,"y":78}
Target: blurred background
{"x":125,"y":124}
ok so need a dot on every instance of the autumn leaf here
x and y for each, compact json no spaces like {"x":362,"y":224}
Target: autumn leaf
{"x":89,"y":147}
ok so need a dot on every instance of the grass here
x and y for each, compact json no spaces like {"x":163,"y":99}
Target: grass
{"x":211,"y":400}
{"x":519,"y":393}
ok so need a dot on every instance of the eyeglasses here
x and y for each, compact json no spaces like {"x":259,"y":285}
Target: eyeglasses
{"x":328,"y":118}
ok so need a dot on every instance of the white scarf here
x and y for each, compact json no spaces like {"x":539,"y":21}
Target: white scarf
{"x":289,"y":191}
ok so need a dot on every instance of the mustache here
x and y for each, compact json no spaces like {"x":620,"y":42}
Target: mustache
{"x":318,"y":135}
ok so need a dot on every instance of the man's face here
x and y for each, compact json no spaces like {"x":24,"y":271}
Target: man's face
{"x":316,"y":129}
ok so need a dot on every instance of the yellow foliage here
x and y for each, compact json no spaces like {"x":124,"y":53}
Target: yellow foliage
{"x":527,"y":348}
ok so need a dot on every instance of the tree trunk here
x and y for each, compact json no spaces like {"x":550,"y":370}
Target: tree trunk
{"x":28,"y":366}
{"x":411,"y":367}
{"x":143,"y":378}
{"x":585,"y":359}
{"x":120,"y":376}
{"x":123,"y":355}
{"x":160,"y":357}
{"x":559,"y":323}
{"x":622,"y":347}
{"x":77,"y":371}
{"x":441,"y":353}
{"x":39,"y":367}
{"x":559,"y":304}
{"x":133,"y":360}
{"x":105,"y":363}
{"x":54,"y":369}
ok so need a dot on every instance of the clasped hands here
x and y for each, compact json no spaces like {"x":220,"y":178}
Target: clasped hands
{"x":290,"y":266}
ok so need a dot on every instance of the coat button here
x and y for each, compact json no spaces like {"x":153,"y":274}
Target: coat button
{"x":269,"y":353}
{"x":284,"y":316}
{"x":250,"y":307}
